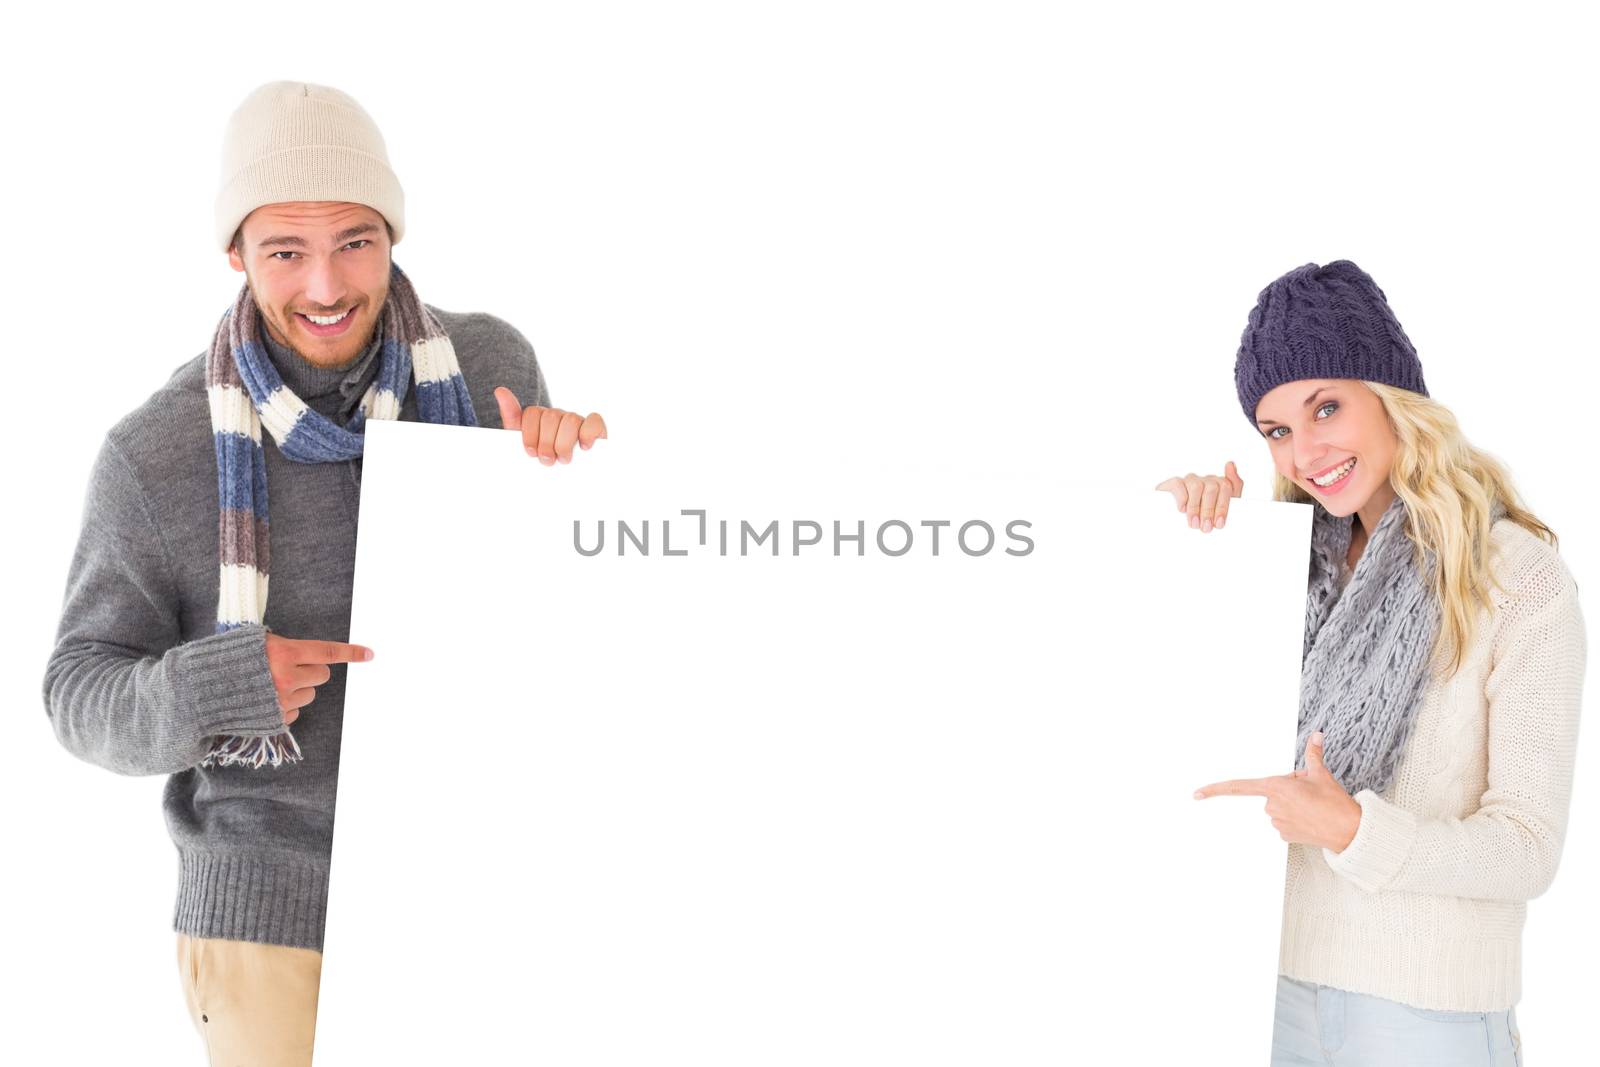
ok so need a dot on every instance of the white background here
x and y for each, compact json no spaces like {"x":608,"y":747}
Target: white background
{"x":970,"y":233}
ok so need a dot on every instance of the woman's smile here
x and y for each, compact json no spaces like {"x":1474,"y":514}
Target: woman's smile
{"x":1341,"y":475}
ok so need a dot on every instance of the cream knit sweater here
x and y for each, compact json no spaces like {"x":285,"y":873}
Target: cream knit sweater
{"x":1426,"y":905}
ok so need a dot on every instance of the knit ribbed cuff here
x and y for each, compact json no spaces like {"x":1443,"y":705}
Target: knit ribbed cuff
{"x":225,"y":682}
{"x":270,"y":899}
{"x":1382,"y":843}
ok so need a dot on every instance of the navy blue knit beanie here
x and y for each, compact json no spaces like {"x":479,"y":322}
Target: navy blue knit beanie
{"x":1322,"y":322}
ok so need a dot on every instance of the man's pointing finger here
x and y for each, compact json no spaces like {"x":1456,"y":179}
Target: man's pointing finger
{"x":337,"y":652}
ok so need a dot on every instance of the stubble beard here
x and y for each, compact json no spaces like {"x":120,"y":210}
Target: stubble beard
{"x":284,"y":333}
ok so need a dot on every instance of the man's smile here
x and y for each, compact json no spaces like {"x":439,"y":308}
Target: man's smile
{"x":328,"y":326}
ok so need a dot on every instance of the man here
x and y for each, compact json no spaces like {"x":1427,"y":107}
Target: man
{"x":170,"y":658}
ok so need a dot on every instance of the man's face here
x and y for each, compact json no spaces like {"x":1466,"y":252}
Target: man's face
{"x":321,"y":258}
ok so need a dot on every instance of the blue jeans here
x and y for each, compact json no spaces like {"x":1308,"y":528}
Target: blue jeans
{"x":1316,"y":1024}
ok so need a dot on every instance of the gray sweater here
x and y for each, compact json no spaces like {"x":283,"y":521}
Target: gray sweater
{"x":139,"y":682}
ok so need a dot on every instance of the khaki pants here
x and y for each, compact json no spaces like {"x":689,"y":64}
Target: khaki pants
{"x":254,"y":1005}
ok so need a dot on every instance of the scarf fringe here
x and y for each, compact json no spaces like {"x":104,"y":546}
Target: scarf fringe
{"x":253,"y":752}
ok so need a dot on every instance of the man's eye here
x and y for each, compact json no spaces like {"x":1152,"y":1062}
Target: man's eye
{"x":363,"y":241}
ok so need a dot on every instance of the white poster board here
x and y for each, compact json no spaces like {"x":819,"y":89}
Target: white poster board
{"x":843,"y":804}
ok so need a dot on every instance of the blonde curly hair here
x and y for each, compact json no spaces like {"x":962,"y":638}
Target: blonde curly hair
{"x":1449,"y":488}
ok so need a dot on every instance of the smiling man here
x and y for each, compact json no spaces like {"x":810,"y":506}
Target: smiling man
{"x":168,"y":657}
{"x":320,"y":329}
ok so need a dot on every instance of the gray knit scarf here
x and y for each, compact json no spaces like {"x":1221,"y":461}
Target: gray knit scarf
{"x":1367,"y":648}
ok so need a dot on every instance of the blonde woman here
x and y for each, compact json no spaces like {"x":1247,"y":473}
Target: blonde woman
{"x":1440,"y":688}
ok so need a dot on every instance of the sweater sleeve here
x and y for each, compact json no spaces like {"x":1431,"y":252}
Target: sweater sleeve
{"x":535,"y":373}
{"x":1510,"y":847}
{"x":121,"y":689}
{"x":515,"y":366}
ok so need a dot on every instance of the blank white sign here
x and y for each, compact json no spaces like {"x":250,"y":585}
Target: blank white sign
{"x":686,"y":800}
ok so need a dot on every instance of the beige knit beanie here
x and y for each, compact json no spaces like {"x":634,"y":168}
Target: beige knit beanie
{"x":298,"y":141}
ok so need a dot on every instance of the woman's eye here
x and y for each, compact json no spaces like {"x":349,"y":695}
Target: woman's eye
{"x":1272,"y":434}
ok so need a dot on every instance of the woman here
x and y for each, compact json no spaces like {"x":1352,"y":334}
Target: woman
{"x":1440,"y":687}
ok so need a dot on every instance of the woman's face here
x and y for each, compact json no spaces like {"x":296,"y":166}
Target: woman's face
{"x":1316,"y":428}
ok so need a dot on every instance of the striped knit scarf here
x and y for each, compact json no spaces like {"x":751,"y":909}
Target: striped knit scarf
{"x":246,"y":393}
{"x":1367,"y":648}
